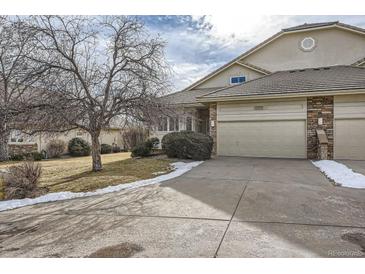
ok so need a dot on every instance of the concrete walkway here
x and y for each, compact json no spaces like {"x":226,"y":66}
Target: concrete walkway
{"x":226,"y":207}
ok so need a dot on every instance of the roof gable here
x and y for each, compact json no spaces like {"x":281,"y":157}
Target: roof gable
{"x":301,"y":28}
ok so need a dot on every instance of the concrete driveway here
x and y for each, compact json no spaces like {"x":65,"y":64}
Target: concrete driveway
{"x":226,"y":207}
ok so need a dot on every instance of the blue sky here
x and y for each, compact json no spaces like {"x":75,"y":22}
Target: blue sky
{"x":196,"y":45}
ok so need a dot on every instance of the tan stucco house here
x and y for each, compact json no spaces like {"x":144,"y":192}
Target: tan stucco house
{"x":23,"y":143}
{"x":298,"y":94}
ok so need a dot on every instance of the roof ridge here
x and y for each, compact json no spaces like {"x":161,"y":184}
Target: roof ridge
{"x":310,"y":25}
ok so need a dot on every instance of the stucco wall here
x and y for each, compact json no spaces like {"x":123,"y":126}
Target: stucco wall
{"x":106,"y":137}
{"x":223,"y":78}
{"x":334,"y":47}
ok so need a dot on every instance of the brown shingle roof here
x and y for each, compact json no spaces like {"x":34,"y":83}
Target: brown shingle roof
{"x":295,"y":81}
{"x":187,"y":96}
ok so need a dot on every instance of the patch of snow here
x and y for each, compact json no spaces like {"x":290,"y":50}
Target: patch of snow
{"x":179,"y":169}
{"x":341,"y":174}
{"x":159,"y":172}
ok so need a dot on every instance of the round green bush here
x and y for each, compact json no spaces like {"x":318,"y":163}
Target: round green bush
{"x":141,"y":150}
{"x":116,"y":149}
{"x":78,"y":147}
{"x":106,"y":149}
{"x":187,"y":145}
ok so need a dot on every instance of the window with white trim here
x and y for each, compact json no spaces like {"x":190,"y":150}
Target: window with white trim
{"x":163,"y":124}
{"x":237,"y":80}
{"x":189,"y":123}
{"x":16,"y":136}
{"x":173,"y":124}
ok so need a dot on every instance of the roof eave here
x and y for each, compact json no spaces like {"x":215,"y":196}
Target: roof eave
{"x":281,"y":95}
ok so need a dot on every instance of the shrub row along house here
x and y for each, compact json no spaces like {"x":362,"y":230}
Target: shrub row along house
{"x":22,"y":143}
{"x":298,"y":94}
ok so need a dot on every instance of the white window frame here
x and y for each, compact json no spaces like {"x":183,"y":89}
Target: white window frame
{"x":302,"y":46}
{"x":230,"y":79}
{"x":177,"y":120}
{"x":192,"y":122}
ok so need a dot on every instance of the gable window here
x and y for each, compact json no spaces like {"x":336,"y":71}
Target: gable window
{"x":238,"y":80}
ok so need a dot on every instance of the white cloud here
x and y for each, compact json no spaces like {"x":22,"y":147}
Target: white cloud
{"x":185,"y":74}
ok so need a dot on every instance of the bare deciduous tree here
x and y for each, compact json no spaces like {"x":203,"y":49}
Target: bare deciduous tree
{"x":98,"y":70}
{"x":17,"y":75}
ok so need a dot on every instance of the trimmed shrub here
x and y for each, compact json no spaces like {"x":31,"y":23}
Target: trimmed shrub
{"x":21,"y":181}
{"x":116,"y":149}
{"x":148,"y":143}
{"x":33,"y":156}
{"x":55,"y":148}
{"x":106,"y":149}
{"x":142,"y":150}
{"x":187,"y":145}
{"x":155,"y":142}
{"x":78,"y":147}
{"x":16,"y":157}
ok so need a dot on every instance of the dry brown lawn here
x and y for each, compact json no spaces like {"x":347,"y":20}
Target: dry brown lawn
{"x":74,"y":174}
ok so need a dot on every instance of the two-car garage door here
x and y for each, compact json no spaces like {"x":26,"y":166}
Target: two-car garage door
{"x":278,"y":128}
{"x":349,"y":127}
{"x":262,"y":129}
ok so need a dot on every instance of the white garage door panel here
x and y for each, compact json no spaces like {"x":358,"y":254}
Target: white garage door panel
{"x":349,"y":139}
{"x":284,"y":139}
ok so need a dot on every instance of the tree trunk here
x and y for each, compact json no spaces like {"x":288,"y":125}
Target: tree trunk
{"x":4,"y":139}
{"x":96,"y":152}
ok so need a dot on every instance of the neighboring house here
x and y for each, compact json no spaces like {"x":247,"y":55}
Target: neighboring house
{"x":21,"y":142}
{"x":298,"y":94}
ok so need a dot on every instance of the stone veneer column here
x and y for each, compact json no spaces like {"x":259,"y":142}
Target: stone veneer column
{"x":213,"y":128}
{"x":319,"y":107}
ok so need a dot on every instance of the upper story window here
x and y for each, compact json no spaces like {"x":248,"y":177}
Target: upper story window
{"x":238,"y":80}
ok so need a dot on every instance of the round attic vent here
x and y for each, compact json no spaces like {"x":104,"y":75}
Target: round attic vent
{"x":308,"y":44}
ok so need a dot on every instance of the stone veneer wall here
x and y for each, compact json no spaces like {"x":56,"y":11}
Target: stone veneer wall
{"x":213,"y":129}
{"x":319,"y":107}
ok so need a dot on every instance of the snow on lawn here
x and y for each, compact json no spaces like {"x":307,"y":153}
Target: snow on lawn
{"x":179,"y":169}
{"x":341,"y":174}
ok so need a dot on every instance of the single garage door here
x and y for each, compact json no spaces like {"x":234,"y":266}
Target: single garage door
{"x":270,"y":128}
{"x":349,"y":127}
{"x":350,"y":139}
{"x":284,"y":139}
